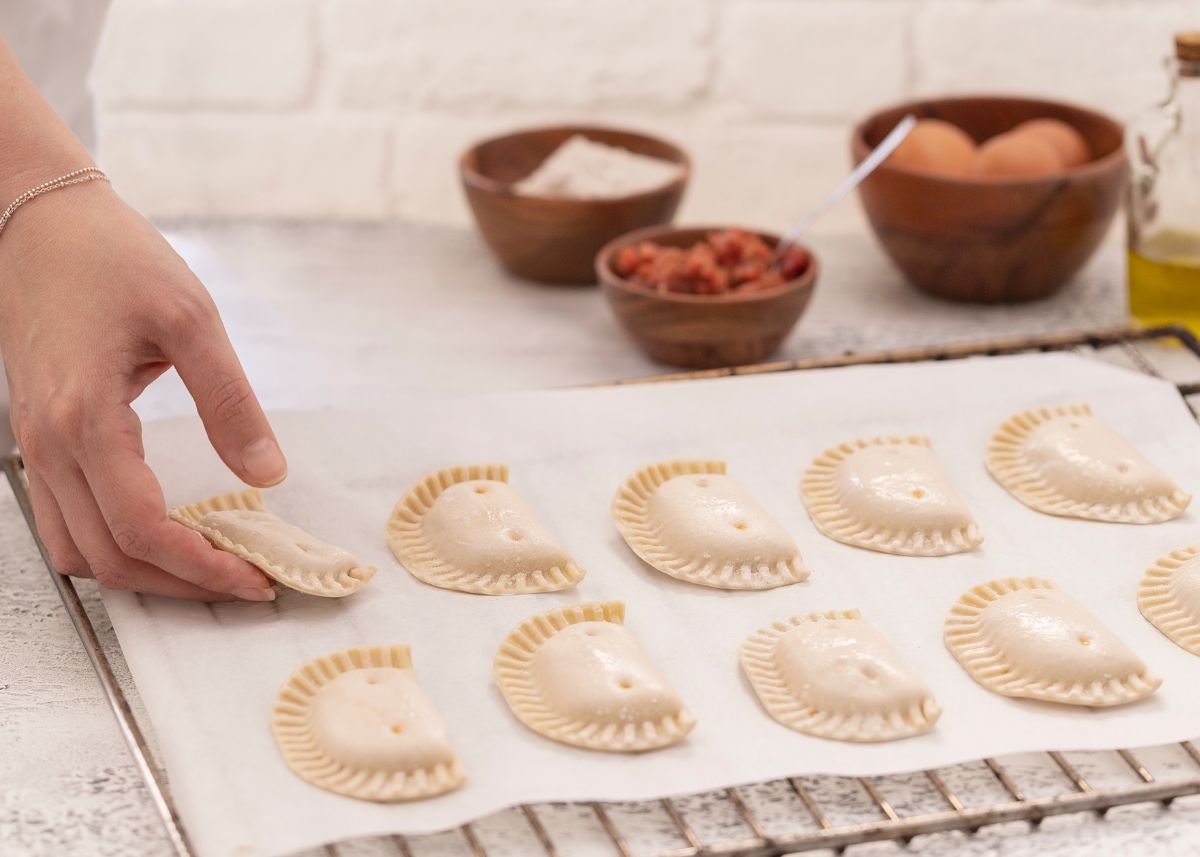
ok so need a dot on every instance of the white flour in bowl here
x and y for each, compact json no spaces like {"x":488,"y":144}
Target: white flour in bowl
{"x":584,"y":169}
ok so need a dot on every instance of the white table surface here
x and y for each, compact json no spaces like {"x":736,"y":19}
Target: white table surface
{"x":324,"y":316}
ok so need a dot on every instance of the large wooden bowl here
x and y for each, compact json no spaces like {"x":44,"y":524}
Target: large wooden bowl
{"x":993,"y":240}
{"x":702,"y":332}
{"x":554,"y":240}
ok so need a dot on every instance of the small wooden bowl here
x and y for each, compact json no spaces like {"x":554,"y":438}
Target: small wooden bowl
{"x":550,"y":239}
{"x":993,"y":240}
{"x":702,"y":332}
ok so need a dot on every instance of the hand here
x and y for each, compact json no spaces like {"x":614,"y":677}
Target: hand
{"x":94,"y":305}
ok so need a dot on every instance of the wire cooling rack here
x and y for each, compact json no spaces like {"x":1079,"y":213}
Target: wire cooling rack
{"x":797,"y":814}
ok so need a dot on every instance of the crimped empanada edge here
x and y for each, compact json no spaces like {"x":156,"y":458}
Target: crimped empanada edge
{"x":407,"y":541}
{"x":512,"y":667}
{"x":1008,"y":465}
{"x":757,"y":657}
{"x":966,"y":641}
{"x":305,"y":758}
{"x":1158,"y":605}
{"x":819,"y":492}
{"x":630,"y":510}
{"x":250,"y":499}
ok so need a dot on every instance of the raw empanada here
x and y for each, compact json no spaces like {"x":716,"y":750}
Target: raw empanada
{"x":358,"y":723}
{"x":888,"y":494}
{"x":1169,"y":597}
{"x":1064,"y":461}
{"x":465,"y":528}
{"x":691,"y":521}
{"x":577,"y":675}
{"x":240,"y":524}
{"x":834,"y":676}
{"x":1025,"y":637}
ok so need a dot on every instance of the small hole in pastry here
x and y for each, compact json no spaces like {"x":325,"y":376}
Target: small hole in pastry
{"x":515,"y":535}
{"x":1123,"y":466}
{"x":918,"y":493}
{"x":372,"y":680}
{"x":625,"y":683}
{"x":1085,"y":640}
{"x":480,"y":489}
{"x":869,"y":671}
{"x":1074,"y":424}
{"x":741,"y":525}
{"x":397,"y":729}
{"x":702,"y":483}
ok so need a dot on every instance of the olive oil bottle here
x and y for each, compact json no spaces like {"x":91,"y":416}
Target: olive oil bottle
{"x":1163,"y":205}
{"x":1164,"y":279}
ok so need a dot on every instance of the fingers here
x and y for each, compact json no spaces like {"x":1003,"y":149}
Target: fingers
{"x":52,"y":529}
{"x":130,"y":501}
{"x":236,"y":425}
{"x":108,"y":565}
{"x":135,"y":546}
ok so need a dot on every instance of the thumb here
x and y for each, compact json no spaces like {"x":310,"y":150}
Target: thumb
{"x":236,"y":425}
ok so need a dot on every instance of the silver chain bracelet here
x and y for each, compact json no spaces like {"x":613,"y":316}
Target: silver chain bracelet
{"x":87,"y":174}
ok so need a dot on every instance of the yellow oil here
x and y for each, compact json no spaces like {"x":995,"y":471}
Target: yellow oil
{"x":1164,"y":279}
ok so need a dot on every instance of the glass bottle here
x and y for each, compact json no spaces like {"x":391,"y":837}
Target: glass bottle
{"x":1163,"y":210}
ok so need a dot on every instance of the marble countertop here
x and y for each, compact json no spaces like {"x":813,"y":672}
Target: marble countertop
{"x":324,"y":316}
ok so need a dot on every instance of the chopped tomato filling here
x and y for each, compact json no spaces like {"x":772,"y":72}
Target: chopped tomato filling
{"x":730,"y":261}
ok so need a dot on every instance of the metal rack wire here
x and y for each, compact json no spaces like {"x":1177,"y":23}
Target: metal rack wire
{"x":818,"y":829}
{"x":891,"y":824}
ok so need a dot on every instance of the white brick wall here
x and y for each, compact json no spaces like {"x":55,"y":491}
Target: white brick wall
{"x":473,"y":54}
{"x":208,"y":55}
{"x":1105,"y":54}
{"x":357,"y":109}
{"x":812,"y":60}
{"x":185,"y":165}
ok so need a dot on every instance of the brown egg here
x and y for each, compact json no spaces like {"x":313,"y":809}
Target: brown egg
{"x":935,"y":147}
{"x":1069,"y":143}
{"x":1017,"y":156}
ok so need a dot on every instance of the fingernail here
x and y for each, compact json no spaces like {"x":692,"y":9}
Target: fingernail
{"x":264,"y":462}
{"x":253,"y":593}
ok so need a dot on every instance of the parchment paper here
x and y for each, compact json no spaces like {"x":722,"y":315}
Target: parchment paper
{"x":208,"y":675}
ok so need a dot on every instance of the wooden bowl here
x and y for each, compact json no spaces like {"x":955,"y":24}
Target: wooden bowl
{"x":550,"y":239}
{"x":993,"y":240}
{"x":702,"y":332}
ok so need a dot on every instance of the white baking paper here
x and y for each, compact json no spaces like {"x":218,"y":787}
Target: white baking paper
{"x":208,"y":675}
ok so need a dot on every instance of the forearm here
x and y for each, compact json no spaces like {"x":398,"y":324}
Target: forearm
{"x":94,"y":305}
{"x":35,"y":144}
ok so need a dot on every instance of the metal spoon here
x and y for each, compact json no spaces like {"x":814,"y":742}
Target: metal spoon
{"x":868,"y":165}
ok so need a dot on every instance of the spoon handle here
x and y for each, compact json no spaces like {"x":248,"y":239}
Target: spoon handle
{"x":868,"y":165}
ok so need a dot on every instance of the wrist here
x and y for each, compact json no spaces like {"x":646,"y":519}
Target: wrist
{"x":33,"y":165}
{"x":35,"y":145}
{"x":38,"y":220}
